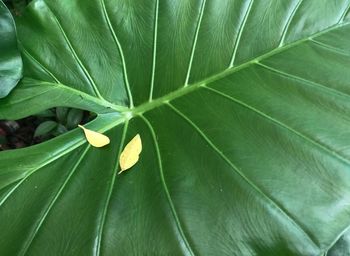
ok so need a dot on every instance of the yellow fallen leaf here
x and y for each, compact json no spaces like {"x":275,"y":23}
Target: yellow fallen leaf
{"x":130,"y":155}
{"x":96,"y":139}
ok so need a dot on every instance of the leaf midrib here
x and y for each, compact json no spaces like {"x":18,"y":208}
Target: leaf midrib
{"x":145,"y":107}
{"x":128,"y":113}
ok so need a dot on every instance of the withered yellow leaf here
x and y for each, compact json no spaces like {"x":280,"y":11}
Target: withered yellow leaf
{"x":96,"y":139}
{"x":130,"y":155}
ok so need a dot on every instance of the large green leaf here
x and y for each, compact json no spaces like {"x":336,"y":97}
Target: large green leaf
{"x":243,"y":109}
{"x":10,"y":58}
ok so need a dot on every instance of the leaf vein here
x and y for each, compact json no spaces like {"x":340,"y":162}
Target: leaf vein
{"x":229,"y":71}
{"x":36,"y":169}
{"x":47,"y":211}
{"x":289,"y":21}
{"x":31,"y":57}
{"x":306,"y":81}
{"x":240,"y":32}
{"x":194,"y":44}
{"x":330,"y":47}
{"x":283,"y":125}
{"x":342,"y":17}
{"x":97,"y":247}
{"x":54,"y":158}
{"x":116,"y":40}
{"x":278,"y":207}
{"x":76,"y":58}
{"x":155,"y":36}
{"x":166,"y":190}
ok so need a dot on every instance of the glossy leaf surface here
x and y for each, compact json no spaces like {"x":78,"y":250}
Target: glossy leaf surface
{"x":243,"y":109}
{"x":10,"y":58}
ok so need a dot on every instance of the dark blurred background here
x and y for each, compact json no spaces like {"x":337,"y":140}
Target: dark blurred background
{"x":16,"y":6}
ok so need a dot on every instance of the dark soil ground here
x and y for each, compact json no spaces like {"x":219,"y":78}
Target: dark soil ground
{"x":18,"y":134}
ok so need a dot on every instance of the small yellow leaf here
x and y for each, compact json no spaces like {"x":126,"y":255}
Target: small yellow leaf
{"x":96,"y":139}
{"x":130,"y":155}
